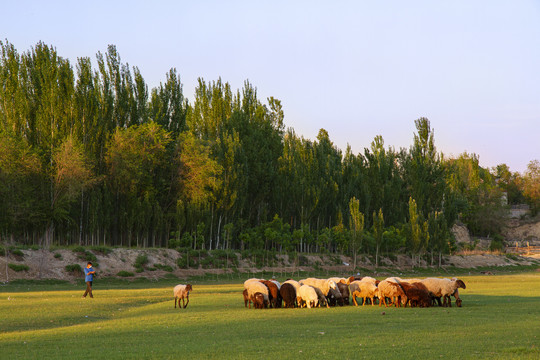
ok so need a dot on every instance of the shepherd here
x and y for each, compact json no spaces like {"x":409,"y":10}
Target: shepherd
{"x":88,"y":277}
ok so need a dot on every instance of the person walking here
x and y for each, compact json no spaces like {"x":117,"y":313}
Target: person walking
{"x":88,"y":277}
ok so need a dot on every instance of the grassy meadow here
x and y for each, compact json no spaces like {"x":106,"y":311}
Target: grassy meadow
{"x":500,"y":319}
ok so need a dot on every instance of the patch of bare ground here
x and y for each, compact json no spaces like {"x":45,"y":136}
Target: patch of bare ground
{"x":44,"y":264}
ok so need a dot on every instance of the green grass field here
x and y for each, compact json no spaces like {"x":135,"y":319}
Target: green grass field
{"x":500,"y":319}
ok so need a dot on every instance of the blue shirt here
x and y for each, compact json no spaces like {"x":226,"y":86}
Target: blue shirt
{"x":88,"y":277}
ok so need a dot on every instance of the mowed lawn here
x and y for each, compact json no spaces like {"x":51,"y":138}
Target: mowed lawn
{"x":500,"y":319}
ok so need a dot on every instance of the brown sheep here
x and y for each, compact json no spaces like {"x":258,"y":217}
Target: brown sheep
{"x":288,"y":294}
{"x":345,"y":294}
{"x":416,"y":295}
{"x":246,"y":298}
{"x":259,"y":301}
{"x":273,"y":292}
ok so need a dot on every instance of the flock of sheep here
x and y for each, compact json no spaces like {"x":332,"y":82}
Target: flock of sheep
{"x":312,"y":292}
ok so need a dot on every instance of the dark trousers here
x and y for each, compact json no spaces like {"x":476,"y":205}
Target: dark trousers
{"x":88,"y":289}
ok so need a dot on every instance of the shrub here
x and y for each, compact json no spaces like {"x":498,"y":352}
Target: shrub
{"x":58,"y":256}
{"x":78,"y":249}
{"x":74,"y":268}
{"x":141,"y":262}
{"x":16,"y":252}
{"x":496,"y":245}
{"x":2,"y":251}
{"x":163,"y":267}
{"x":124,"y":273}
{"x":104,"y":250}
{"x":18,"y":267}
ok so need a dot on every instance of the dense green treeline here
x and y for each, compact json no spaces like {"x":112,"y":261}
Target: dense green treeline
{"x":90,"y":156}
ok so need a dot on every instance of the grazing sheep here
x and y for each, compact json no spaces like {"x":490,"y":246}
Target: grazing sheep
{"x":393,"y":291}
{"x":334,"y":296}
{"x":458,"y":300}
{"x":294,"y":283}
{"x":276,"y":282}
{"x":364,"y":290}
{"x":307,"y":296}
{"x":258,"y":301}
{"x":324,"y":284}
{"x":345,"y":293}
{"x":288,"y":294}
{"x":255,"y":287}
{"x":182,"y":292}
{"x":274,"y":297}
{"x":320,"y":296}
{"x":416,"y":295}
{"x":342,"y":280}
{"x":444,"y":288}
{"x":246,"y":283}
{"x":368,"y":279}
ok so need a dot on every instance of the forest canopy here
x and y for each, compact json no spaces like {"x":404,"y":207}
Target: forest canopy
{"x":90,"y":156}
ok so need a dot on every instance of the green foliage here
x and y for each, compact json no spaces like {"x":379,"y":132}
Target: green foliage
{"x":90,"y":155}
{"x":2,"y":251}
{"x":124,"y":273}
{"x":103,"y":250}
{"x":167,"y":268}
{"x":496,"y":245}
{"x":18,"y":267}
{"x":58,"y":256}
{"x":16,"y":252}
{"x":73,"y":268}
{"x":140,"y":262}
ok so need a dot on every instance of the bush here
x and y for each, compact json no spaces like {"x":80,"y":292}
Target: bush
{"x":163,"y":267}
{"x":141,"y":262}
{"x":103,"y":250}
{"x":18,"y":267}
{"x":58,"y":256}
{"x":16,"y":252}
{"x":496,"y":245}
{"x":2,"y":251}
{"x":124,"y":273}
{"x":74,"y":268}
{"x":78,"y":249}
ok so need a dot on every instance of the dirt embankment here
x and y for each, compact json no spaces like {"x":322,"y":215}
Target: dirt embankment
{"x":43,"y":264}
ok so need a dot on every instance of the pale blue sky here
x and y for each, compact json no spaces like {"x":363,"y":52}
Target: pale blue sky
{"x":355,"y":68}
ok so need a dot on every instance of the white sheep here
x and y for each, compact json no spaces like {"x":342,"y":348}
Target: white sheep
{"x":444,"y":288}
{"x":343,"y":280}
{"x":182,"y":292}
{"x":369,"y":279}
{"x":324,"y":284}
{"x":390,"y":289}
{"x":308,"y":295}
{"x":321,"y":297}
{"x":250,"y":280}
{"x":253,"y":287}
{"x":364,"y":290}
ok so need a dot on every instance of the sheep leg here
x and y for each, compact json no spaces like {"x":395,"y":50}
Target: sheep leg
{"x":187,"y":302}
{"x":175,"y":302}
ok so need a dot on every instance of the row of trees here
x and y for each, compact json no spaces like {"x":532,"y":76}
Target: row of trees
{"x":91,"y":156}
